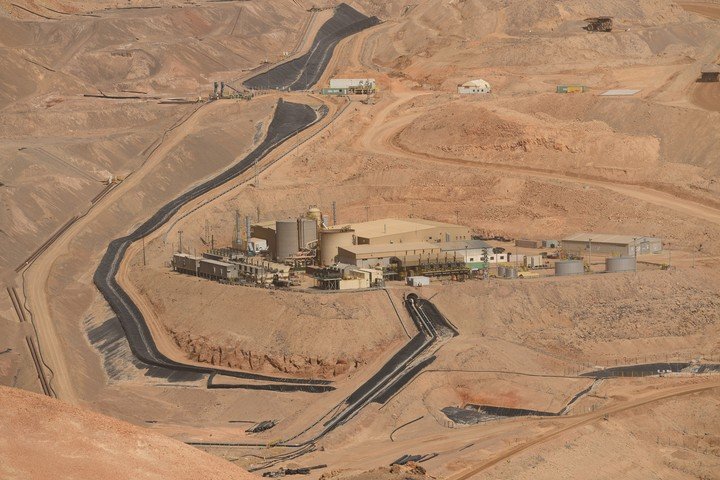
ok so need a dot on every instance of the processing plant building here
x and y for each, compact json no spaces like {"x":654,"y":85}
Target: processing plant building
{"x":411,"y":253}
{"x":297,"y":239}
{"x":615,"y":245}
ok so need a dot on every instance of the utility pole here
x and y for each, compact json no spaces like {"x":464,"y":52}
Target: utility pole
{"x":590,"y":255}
{"x":237,"y":228}
{"x":669,"y":255}
{"x":334,"y":212}
{"x":257,"y":174}
{"x":367,"y":213}
{"x":180,"y":232}
{"x":143,"y":246}
{"x":457,"y":217}
{"x":247,"y":234}
{"x":258,"y":213}
{"x":635,"y":247}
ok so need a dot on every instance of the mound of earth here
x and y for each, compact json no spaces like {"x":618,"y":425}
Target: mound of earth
{"x":306,"y":334}
{"x":44,"y":438}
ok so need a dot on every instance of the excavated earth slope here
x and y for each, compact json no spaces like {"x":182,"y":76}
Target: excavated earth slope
{"x":44,"y":438}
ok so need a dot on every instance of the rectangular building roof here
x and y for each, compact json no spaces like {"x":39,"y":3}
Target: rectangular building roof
{"x":392,"y":249}
{"x":619,"y":92}
{"x":395,"y":226}
{"x":608,"y":238}
{"x":215,"y":262}
{"x":187,"y":255}
{"x":463,"y":244}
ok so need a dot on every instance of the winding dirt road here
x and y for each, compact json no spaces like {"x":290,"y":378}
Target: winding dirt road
{"x":381,"y":138}
{"x":577,"y":421}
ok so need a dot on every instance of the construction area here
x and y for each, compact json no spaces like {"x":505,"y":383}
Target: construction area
{"x":362,"y":240}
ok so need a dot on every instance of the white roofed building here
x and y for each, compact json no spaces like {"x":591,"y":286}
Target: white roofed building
{"x":475,"y":86}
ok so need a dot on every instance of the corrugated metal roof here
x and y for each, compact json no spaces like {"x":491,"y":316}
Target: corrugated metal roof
{"x":619,"y":92}
{"x":462,"y":245}
{"x":479,"y":82}
{"x":390,"y":248}
{"x":394,"y":226}
{"x":608,"y":238}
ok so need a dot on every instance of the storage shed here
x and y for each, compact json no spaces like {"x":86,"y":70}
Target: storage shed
{"x":616,"y":245}
{"x":710,"y":73}
{"x":475,"y":86}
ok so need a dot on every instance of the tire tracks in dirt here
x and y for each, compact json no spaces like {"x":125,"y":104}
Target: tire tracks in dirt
{"x":582,"y":420}
{"x":382,"y":138}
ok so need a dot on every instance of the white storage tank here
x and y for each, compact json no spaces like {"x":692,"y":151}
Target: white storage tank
{"x":330,"y":240}
{"x":286,"y":239}
{"x":569,"y":267}
{"x":620,"y":264}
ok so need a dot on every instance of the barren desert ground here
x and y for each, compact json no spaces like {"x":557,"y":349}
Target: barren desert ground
{"x":140,"y":134}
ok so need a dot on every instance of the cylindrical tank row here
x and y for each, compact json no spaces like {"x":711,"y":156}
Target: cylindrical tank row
{"x":330,"y":240}
{"x":569,"y":267}
{"x":511,"y":272}
{"x":501,"y":271}
{"x":620,"y":264}
{"x":286,"y":237}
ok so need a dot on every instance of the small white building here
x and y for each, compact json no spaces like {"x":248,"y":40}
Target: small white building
{"x":418,"y":281}
{"x":472,"y":253}
{"x":475,"y":86}
{"x":353,"y":85}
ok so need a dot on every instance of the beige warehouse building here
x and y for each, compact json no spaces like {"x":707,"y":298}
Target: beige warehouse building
{"x":388,"y":231}
{"x":383,"y":255}
{"x":613,"y":245}
{"x":395,"y":230}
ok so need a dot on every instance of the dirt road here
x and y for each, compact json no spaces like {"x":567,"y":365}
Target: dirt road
{"x":381,"y":138}
{"x":578,"y":421}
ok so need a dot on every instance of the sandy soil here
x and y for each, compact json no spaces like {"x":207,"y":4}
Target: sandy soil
{"x":59,"y":146}
{"x":45,"y":438}
{"x":289,"y":332}
{"x":521,"y":162}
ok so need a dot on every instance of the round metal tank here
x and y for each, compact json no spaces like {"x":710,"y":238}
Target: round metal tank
{"x":501,"y":271}
{"x":307,"y":231}
{"x":286,"y":239}
{"x":315,"y":214}
{"x":511,"y":273}
{"x":330,"y":240}
{"x":569,"y":267}
{"x":620,"y":264}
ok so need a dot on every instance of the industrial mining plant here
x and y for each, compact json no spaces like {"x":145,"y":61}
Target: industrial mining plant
{"x":309,"y":251}
{"x":454,"y":240}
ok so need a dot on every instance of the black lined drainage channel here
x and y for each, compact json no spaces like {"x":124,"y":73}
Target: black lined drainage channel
{"x":472,"y":414}
{"x":305,"y":71}
{"x":650,"y":369}
{"x":289,"y":120}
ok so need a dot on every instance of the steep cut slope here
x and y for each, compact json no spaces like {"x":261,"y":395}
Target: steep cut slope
{"x":45,"y":438}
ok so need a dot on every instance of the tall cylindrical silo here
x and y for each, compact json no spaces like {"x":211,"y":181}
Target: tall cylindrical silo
{"x":330,"y":240}
{"x":620,"y":264}
{"x":286,"y":239}
{"x":307,"y":231}
{"x":569,"y":267}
